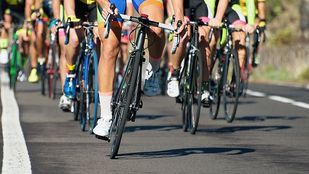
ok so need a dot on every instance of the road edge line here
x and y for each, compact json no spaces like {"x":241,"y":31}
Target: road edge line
{"x":16,"y":158}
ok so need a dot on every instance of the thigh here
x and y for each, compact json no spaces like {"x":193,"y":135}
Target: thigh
{"x":153,"y":8}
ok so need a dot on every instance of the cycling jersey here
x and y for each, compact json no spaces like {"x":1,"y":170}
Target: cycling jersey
{"x":248,"y":8}
{"x":138,"y":4}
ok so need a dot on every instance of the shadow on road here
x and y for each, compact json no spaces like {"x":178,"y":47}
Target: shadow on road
{"x":188,"y":151}
{"x":246,"y":102}
{"x":155,"y":127}
{"x":232,"y":129}
{"x":150,"y":117}
{"x":264,"y":118}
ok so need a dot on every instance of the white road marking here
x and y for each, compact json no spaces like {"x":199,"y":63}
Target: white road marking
{"x":279,"y":99}
{"x":255,"y":93}
{"x":301,"y":104}
{"x":15,"y":154}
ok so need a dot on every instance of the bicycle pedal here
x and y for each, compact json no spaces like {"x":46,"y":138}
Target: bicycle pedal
{"x":103,"y":138}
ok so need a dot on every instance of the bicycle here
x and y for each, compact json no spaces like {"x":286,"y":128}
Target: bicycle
{"x":191,"y":78}
{"x":127,"y":99}
{"x":251,"y":56}
{"x":52,"y":66}
{"x":41,"y":61}
{"x":86,"y":69}
{"x":225,"y":78}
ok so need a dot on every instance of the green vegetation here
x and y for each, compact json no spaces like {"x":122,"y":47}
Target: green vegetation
{"x":284,"y":58}
{"x":269,"y":73}
{"x":283,"y":36}
{"x":305,"y":75}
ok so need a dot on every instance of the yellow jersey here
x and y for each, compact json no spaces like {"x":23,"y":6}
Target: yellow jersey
{"x":243,"y":5}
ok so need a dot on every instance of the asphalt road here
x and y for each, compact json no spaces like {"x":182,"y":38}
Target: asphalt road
{"x":268,"y":136}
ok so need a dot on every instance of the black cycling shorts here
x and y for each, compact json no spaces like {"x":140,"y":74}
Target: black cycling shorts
{"x":195,"y":9}
{"x":86,"y":12}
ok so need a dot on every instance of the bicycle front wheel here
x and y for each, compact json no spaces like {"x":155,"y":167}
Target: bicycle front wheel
{"x":184,"y":95}
{"x":215,"y":86}
{"x":231,"y":86}
{"x":196,"y":91}
{"x":121,"y":103}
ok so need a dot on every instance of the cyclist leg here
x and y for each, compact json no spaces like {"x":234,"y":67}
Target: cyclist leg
{"x":205,"y":12}
{"x":109,"y":49}
{"x":156,"y":43}
{"x":72,"y":49}
{"x":125,"y":39}
{"x":236,"y":18}
{"x":65,"y":103}
{"x":176,"y":58}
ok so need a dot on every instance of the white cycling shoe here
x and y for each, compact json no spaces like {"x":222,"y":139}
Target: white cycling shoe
{"x":173,"y":87}
{"x":102,"y":128}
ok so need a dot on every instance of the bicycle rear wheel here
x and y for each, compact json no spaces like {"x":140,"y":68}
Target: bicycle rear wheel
{"x":231,"y":86}
{"x":121,"y":103}
{"x":52,"y":71}
{"x":215,"y":86}
{"x":196,"y":91}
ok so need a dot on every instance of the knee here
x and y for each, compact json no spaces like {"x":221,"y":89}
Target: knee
{"x":109,"y":52}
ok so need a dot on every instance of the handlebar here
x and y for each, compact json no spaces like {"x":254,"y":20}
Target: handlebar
{"x":143,"y":20}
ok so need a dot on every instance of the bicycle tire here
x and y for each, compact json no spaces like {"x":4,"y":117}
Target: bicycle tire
{"x":52,"y":72}
{"x":77,"y":102}
{"x":123,"y":100}
{"x":56,"y":77}
{"x":88,"y":101}
{"x":82,"y":104}
{"x":231,"y":86}
{"x":195,"y":99}
{"x":95,"y":93}
{"x":42,"y":70}
{"x":184,"y":95}
{"x":215,"y":86}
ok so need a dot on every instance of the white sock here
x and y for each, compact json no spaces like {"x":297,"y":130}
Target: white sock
{"x":105,"y":101}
